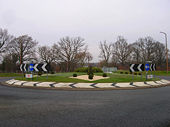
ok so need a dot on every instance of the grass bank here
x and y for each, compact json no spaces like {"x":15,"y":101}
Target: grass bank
{"x":10,"y":74}
{"x":64,"y":77}
{"x":157,"y":73}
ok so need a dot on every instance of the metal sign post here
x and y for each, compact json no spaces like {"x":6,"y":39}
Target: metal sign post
{"x":147,"y":67}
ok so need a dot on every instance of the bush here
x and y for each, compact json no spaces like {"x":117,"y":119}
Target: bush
{"x":104,"y":75}
{"x":91,"y":76}
{"x":97,"y":70}
{"x":139,"y":73}
{"x":135,"y":73}
{"x":82,"y":69}
{"x":126,"y":73}
{"x":74,"y":75}
{"x":85,"y":69}
{"x":52,"y":72}
{"x":39,"y":73}
{"x":90,"y":70}
{"x":121,"y":72}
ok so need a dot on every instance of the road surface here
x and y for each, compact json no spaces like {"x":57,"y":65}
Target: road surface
{"x":21,"y":107}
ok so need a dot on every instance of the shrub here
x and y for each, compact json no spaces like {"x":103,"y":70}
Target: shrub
{"x":139,"y":73}
{"x":90,"y":70}
{"x":121,"y":72}
{"x":104,"y":75}
{"x":52,"y":72}
{"x":85,"y":69}
{"x":91,"y":76}
{"x":74,"y":75}
{"x":97,"y":70}
{"x":135,"y":73}
{"x":126,"y":73}
{"x":39,"y":73}
{"x":82,"y":69}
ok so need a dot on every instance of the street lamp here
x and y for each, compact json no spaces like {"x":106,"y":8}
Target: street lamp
{"x":166,"y":51}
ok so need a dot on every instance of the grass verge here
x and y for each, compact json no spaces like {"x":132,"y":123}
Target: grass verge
{"x":10,"y":74}
{"x":64,"y":77}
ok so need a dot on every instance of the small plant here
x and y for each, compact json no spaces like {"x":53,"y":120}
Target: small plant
{"x":74,"y":75}
{"x":104,"y":75}
{"x":52,"y":72}
{"x":121,"y":72}
{"x":39,"y":73}
{"x":139,"y":73}
{"x":135,"y":73}
{"x":85,"y":69}
{"x":91,"y":76}
{"x":90,"y":72}
{"x":126,"y":73}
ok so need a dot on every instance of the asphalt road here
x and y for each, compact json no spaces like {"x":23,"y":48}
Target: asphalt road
{"x":21,"y":107}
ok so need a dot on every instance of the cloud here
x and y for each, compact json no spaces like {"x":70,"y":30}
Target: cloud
{"x":94,"y":20}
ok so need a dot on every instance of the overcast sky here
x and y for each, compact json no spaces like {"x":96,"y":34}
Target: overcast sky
{"x":94,"y":20}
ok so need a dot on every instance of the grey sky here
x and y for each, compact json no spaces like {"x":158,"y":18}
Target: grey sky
{"x":95,"y":20}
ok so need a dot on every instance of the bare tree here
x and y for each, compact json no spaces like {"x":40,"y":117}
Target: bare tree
{"x":144,"y":49}
{"x":5,"y":38}
{"x":159,"y":53}
{"x":67,"y":49}
{"x":24,"y":47}
{"x":137,"y":50}
{"x":105,"y":52}
{"x":84,"y":58}
{"x":47,"y":54}
{"x":121,"y":50}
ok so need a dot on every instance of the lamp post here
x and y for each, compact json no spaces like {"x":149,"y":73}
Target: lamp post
{"x":166,"y":51}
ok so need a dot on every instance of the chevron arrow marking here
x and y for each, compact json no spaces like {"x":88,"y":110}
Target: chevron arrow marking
{"x":21,"y":67}
{"x":139,"y":67}
{"x":131,"y":67}
{"x":35,"y":67}
{"x":43,"y":67}
{"x":25,"y":67}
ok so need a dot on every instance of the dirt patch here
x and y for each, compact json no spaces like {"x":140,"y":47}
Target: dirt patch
{"x":85,"y":77}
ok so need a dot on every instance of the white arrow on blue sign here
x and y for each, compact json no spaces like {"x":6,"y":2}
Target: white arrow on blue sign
{"x":147,"y":67}
{"x":31,"y":67}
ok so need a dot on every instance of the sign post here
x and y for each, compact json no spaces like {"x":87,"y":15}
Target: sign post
{"x":31,"y":69}
{"x":147,"y":69}
{"x":136,"y":68}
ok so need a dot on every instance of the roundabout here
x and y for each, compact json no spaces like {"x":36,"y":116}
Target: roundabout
{"x":60,"y":85}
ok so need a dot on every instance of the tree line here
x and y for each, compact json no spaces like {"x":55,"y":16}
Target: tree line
{"x":122,"y":52}
{"x":69,"y":53}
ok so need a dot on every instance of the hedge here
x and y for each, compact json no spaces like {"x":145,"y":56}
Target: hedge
{"x":85,"y":69}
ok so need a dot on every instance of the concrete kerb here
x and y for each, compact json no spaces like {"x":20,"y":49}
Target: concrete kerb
{"x":134,"y":85}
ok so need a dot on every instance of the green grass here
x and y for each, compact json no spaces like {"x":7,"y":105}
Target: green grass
{"x":64,"y":77}
{"x":10,"y":74}
{"x":157,"y":73}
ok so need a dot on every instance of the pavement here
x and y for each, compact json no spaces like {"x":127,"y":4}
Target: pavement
{"x":22,"y":107}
